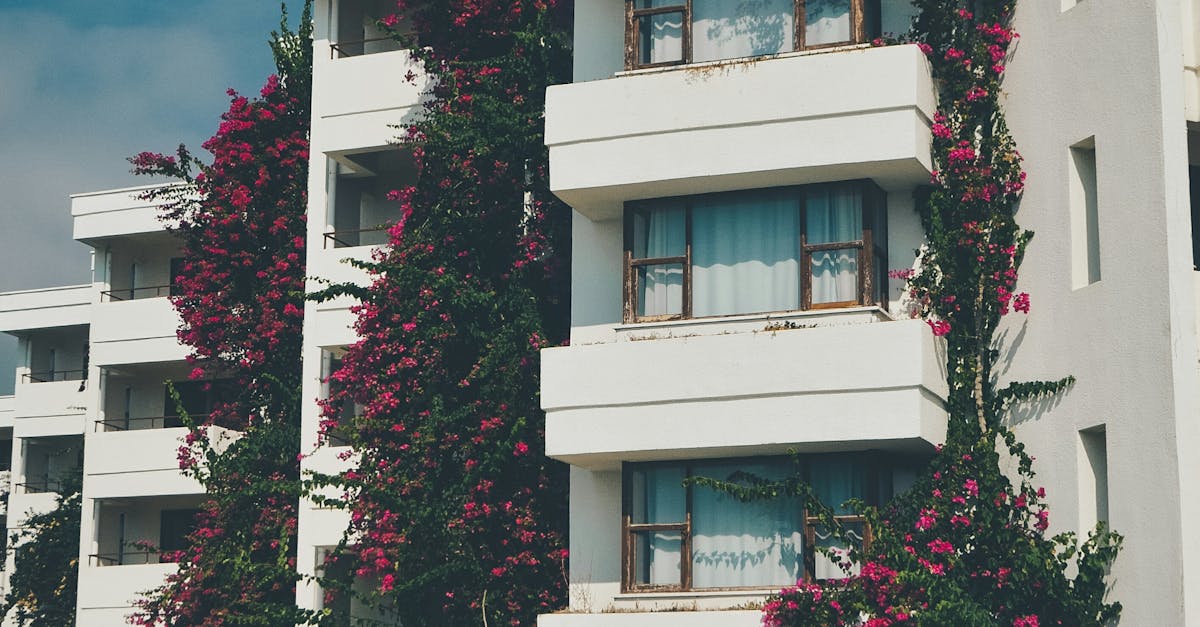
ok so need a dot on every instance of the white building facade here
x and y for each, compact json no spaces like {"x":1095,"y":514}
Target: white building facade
{"x":725,"y":160}
{"x":740,"y":186}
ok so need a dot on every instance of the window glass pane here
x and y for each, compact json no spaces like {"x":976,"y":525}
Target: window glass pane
{"x":658,"y":495}
{"x":736,"y":544}
{"x":723,"y":29}
{"x":825,"y":568}
{"x":660,"y":290}
{"x":826,"y":22}
{"x":661,"y":231}
{"x":745,"y":254}
{"x":660,"y":38}
{"x":835,"y":276}
{"x":656,"y":556}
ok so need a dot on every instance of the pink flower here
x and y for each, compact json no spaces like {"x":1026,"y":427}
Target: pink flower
{"x":1026,"y":621}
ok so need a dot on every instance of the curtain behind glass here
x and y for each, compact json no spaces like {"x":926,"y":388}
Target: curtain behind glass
{"x":834,"y":215}
{"x":660,"y":232}
{"x":754,"y":544}
{"x":658,"y":497}
{"x":660,"y":36}
{"x":728,"y":29}
{"x":745,"y":253}
{"x":835,"y":480}
{"x":826,"y":22}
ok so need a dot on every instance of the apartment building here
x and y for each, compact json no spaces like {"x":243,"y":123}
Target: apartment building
{"x":741,"y":177}
{"x":728,"y":159}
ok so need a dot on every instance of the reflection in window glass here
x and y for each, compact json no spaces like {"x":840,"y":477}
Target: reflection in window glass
{"x":827,"y":22}
{"x":725,"y":29}
{"x":660,"y":38}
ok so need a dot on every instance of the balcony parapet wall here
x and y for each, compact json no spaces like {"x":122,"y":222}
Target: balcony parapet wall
{"x":848,"y":114}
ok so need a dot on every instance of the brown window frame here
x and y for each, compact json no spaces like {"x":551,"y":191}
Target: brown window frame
{"x":629,"y":529}
{"x":872,"y":259}
{"x":860,"y":31}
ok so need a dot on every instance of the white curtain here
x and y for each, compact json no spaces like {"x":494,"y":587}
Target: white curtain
{"x":660,"y":232}
{"x":728,"y":29}
{"x":660,"y":36}
{"x":659,"y":497}
{"x":745,"y":254}
{"x":834,"y":215}
{"x":826,"y":22}
{"x":754,"y":544}
{"x":835,"y":481}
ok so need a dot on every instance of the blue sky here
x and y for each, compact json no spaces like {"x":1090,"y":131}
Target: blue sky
{"x":85,"y":84}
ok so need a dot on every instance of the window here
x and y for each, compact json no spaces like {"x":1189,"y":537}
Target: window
{"x":679,"y":538}
{"x":672,"y":32}
{"x":782,"y":249}
{"x":174,"y":527}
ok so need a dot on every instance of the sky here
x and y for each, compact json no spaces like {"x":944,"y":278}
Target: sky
{"x":84,"y":84}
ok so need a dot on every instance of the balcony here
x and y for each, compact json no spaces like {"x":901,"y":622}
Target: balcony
{"x":114,"y":213}
{"x":8,"y":409}
{"x":135,"y":331}
{"x":848,"y":114}
{"x":28,"y":310}
{"x":875,"y":385}
{"x":113,"y":473}
{"x":106,"y":594}
{"x":359,"y":86}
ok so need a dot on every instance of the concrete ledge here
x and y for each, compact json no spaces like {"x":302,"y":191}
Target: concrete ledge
{"x":45,"y":308}
{"x":741,"y":618}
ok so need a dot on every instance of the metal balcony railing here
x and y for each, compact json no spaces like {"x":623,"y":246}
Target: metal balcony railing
{"x":353,"y":237}
{"x":40,"y":486}
{"x":127,"y":558}
{"x":48,"y":376}
{"x":135,"y":293}
{"x":149,"y":422}
{"x":358,"y":47}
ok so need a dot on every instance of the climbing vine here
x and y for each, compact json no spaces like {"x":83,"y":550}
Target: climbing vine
{"x":967,"y":544}
{"x":43,"y":586}
{"x":239,"y":293}
{"x":457,"y":516}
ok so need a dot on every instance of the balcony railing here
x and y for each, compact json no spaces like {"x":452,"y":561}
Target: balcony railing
{"x":42,"y":486}
{"x":128,"y":558}
{"x":358,"y":47}
{"x":145,"y":423}
{"x":353,"y":237}
{"x":48,"y":376}
{"x":136,"y":293}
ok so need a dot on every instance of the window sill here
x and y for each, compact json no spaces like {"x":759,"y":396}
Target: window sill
{"x":711,"y":65}
{"x":697,"y":595}
{"x":751,"y":323}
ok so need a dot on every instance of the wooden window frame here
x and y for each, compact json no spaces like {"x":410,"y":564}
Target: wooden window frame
{"x":629,"y":529}
{"x":872,"y":254}
{"x":860,"y":32}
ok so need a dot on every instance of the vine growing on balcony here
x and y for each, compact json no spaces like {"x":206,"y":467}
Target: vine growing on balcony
{"x":967,"y":545}
{"x":43,"y":586}
{"x":239,"y":293}
{"x":457,"y":516}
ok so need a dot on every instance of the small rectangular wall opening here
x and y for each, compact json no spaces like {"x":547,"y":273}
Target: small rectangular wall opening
{"x":1085,"y":214}
{"x":1093,"y":478}
{"x":1194,"y":186}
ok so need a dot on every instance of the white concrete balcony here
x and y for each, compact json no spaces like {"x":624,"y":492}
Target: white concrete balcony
{"x":737,"y":618}
{"x":106,"y":594}
{"x":135,"y":331}
{"x":111,"y":472}
{"x":8,"y":409}
{"x":331,"y":323}
{"x":789,"y":120}
{"x":28,"y":310}
{"x":111,"y":213}
{"x":357,"y":98}
{"x":859,"y":386}
{"x":22,"y":505}
{"x":50,"y":408}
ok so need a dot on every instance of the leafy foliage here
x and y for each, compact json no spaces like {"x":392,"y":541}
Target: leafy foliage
{"x":43,"y":585}
{"x":457,"y":516}
{"x":240,"y":296}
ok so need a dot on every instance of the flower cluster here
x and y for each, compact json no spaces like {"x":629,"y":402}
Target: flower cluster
{"x":239,"y":294}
